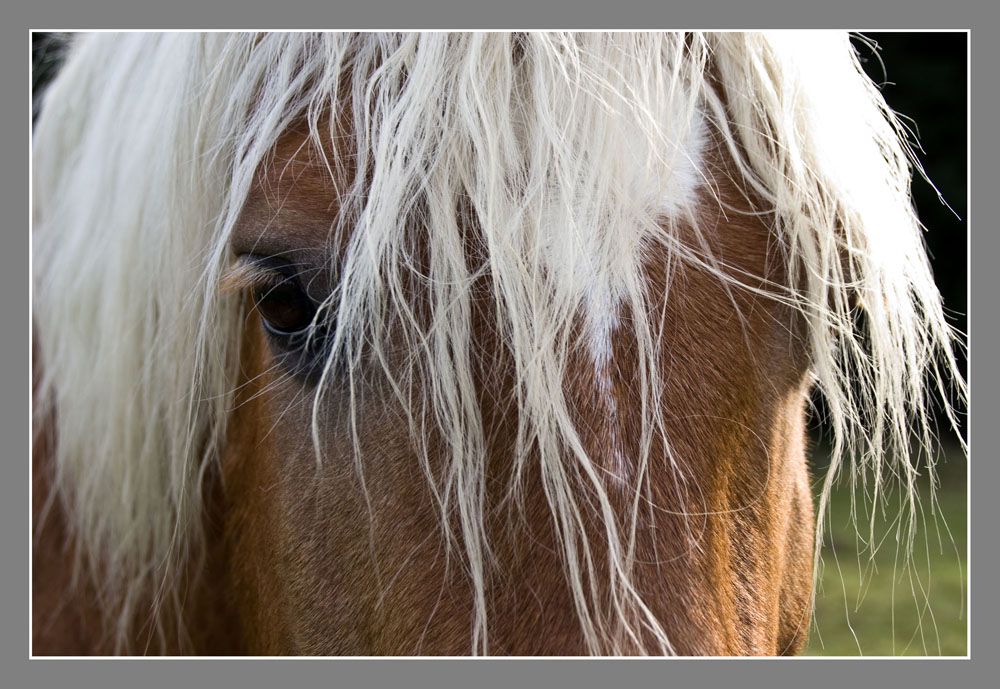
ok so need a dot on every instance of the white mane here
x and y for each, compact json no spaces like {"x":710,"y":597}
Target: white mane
{"x":145,"y":153}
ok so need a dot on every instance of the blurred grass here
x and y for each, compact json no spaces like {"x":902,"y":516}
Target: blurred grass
{"x":882,"y":606}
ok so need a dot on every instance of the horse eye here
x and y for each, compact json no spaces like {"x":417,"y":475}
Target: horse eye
{"x":285,"y":309}
{"x":297,"y":336}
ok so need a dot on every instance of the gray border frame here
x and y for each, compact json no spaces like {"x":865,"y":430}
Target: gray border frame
{"x":454,"y":14}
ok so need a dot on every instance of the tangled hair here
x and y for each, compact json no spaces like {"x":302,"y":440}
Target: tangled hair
{"x":564,"y":151}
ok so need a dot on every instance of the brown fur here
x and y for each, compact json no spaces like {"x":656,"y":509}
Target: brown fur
{"x":310,"y":565}
{"x":301,"y":564}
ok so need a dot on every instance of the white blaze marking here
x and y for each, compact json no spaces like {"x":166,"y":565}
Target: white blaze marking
{"x":603,"y":311}
{"x":667,"y":196}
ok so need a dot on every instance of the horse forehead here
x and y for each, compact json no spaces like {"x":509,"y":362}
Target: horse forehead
{"x":294,"y":201}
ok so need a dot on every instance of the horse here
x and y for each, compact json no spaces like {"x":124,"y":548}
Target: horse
{"x":441,"y":344}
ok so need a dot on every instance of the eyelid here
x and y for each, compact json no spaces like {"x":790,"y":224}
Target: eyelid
{"x":303,"y":352}
{"x":249,"y":273}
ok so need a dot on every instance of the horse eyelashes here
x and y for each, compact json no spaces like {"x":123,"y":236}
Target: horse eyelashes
{"x":298,"y":334}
